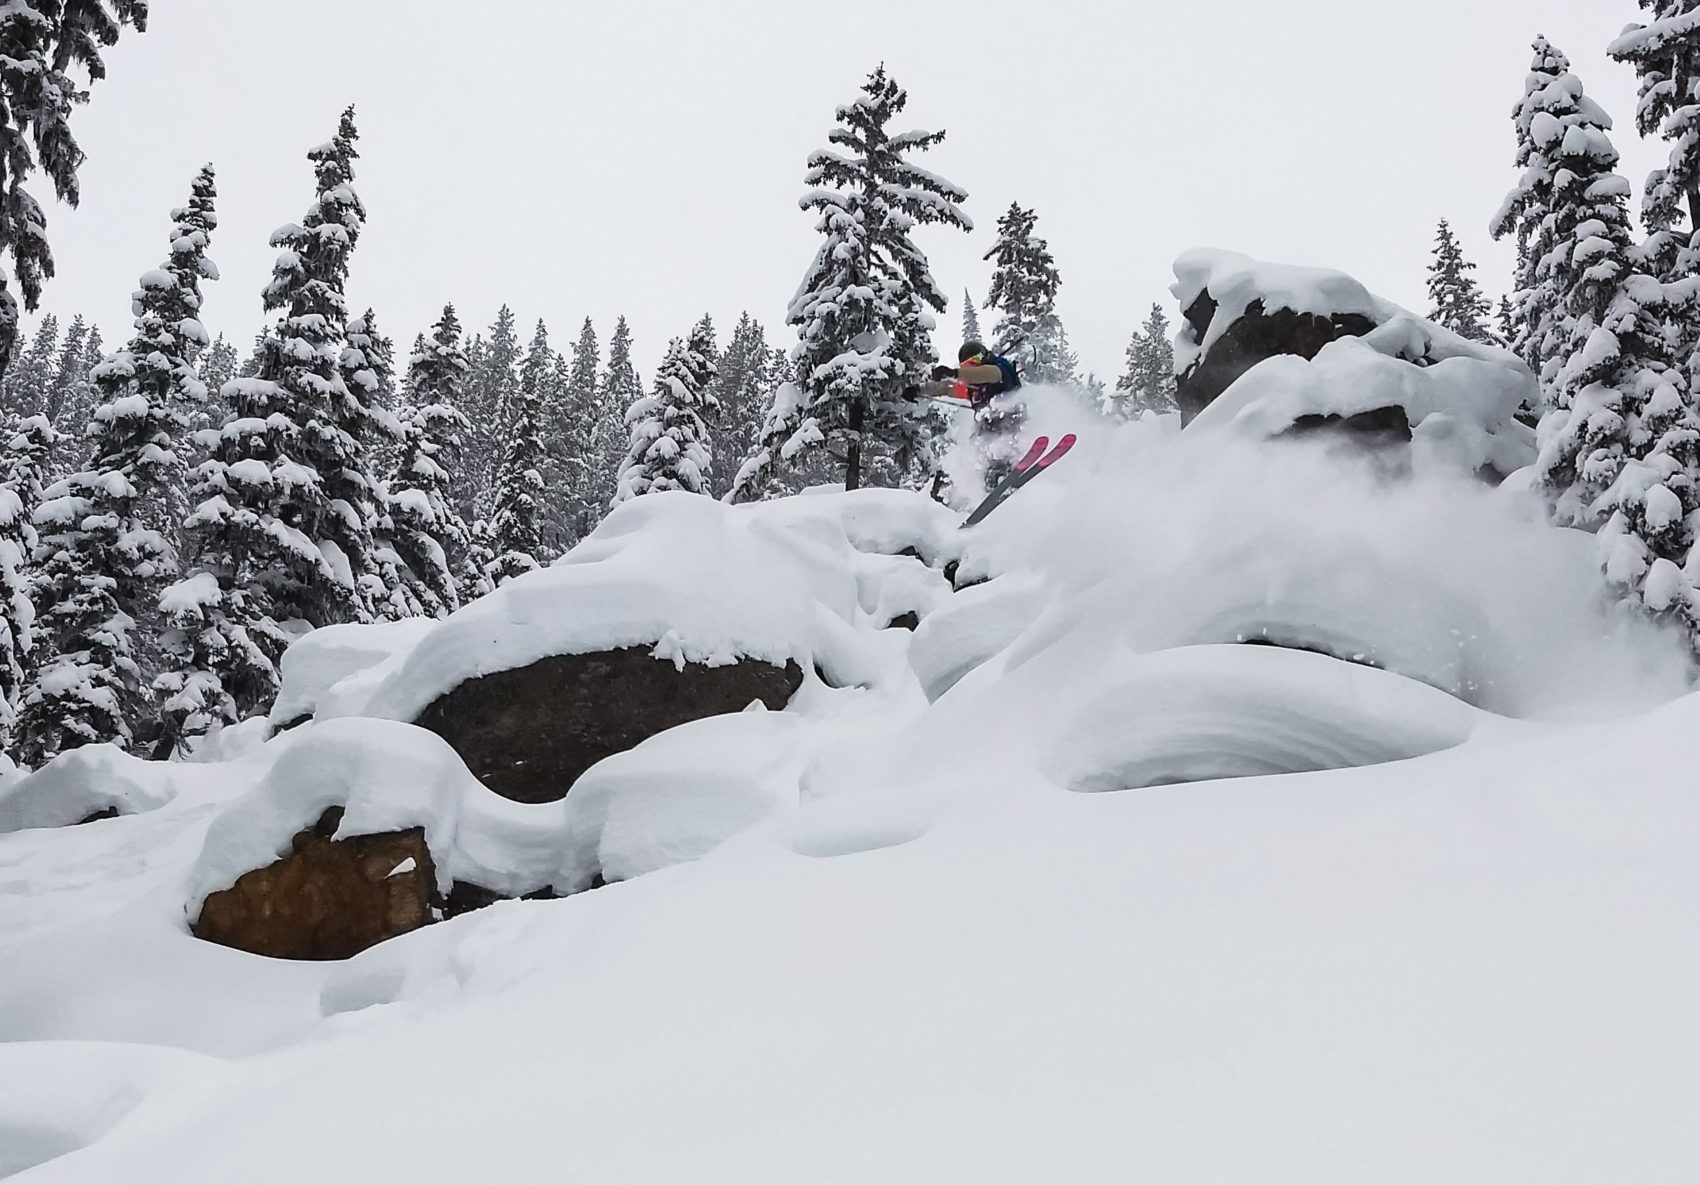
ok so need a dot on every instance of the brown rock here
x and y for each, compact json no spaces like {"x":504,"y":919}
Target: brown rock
{"x":328,"y":899}
{"x":529,"y":733}
{"x":1258,"y":334}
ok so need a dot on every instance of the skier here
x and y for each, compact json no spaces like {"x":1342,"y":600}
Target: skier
{"x":978,"y":379}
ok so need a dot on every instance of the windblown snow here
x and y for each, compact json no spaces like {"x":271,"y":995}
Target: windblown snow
{"x":1256,"y":817}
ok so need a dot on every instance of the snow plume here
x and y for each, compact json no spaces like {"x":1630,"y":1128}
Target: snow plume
{"x":1167,"y":540}
{"x":1049,"y":410}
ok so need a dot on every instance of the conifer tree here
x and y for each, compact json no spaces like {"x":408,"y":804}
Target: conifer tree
{"x":1024,"y":292}
{"x":1148,"y":385}
{"x":618,"y":389}
{"x":218,"y":364}
{"x":31,"y":440}
{"x":1665,"y":53}
{"x":40,"y":42}
{"x":863,"y":313}
{"x":516,"y":526}
{"x":69,"y":387}
{"x":1621,"y":449}
{"x":742,"y":387}
{"x":1540,"y":340}
{"x":29,"y":380}
{"x":669,"y":441}
{"x":107,"y":547}
{"x":1505,"y":321}
{"x":489,"y":395}
{"x":275,"y":497}
{"x":970,"y":319}
{"x":426,"y":528}
{"x":1456,"y":300}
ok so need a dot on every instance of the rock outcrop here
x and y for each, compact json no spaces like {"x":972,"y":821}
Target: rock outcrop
{"x":1256,"y":334}
{"x":329,"y":898}
{"x":529,"y":733}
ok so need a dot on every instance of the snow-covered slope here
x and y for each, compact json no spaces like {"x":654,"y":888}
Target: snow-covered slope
{"x":1071,"y":888}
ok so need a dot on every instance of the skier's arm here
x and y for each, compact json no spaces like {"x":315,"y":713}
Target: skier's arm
{"x":977,"y":375}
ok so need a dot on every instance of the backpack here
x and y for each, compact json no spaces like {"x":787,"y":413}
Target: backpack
{"x":1011,"y":376}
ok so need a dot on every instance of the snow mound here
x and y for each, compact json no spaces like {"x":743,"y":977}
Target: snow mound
{"x":56,"y":1097}
{"x":82,"y":783}
{"x":679,"y":795}
{"x":1205,"y":712}
{"x":332,"y":669}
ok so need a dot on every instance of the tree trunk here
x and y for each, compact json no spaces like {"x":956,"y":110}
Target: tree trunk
{"x":853,"y":454}
{"x":1693,"y":217}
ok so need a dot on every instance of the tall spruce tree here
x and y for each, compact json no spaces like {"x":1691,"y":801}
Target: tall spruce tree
{"x":488,"y":399}
{"x":970,"y":319}
{"x":863,"y":313}
{"x":68,"y":390}
{"x":617,"y":390}
{"x":1024,"y":293}
{"x":1619,"y":450}
{"x":40,"y":42}
{"x":29,"y":380}
{"x":516,"y":525}
{"x":27,"y":448}
{"x":428,"y":532}
{"x":287,"y":485}
{"x":1541,"y":338}
{"x":669,"y":441}
{"x":742,"y":387}
{"x":1148,"y":384}
{"x":107,"y":544}
{"x":1455,"y":299}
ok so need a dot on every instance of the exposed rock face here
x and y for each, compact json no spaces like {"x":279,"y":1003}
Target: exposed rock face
{"x":329,"y":898}
{"x":1257,"y":335}
{"x":529,"y":733}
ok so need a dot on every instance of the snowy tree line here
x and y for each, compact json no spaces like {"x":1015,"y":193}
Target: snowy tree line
{"x":172,"y":517}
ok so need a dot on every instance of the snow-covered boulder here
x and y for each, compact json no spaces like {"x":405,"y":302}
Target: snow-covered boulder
{"x":676,"y":608}
{"x":332,"y":851}
{"x":82,"y":785}
{"x":1270,"y":350}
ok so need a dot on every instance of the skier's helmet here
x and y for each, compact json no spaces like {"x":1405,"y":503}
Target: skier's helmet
{"x":970,"y":350}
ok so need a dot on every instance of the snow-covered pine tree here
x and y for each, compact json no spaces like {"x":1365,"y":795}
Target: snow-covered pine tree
{"x":669,"y":441}
{"x":862,"y":311}
{"x":1665,"y":53}
{"x":1541,"y":338}
{"x":1148,"y":384}
{"x":107,"y":544}
{"x":1621,"y":448}
{"x":1455,"y":299}
{"x":70,"y":383}
{"x":516,"y":525}
{"x":29,"y":379}
{"x":27,"y":449}
{"x":618,"y":388}
{"x":218,"y":364}
{"x":742,"y":387}
{"x":489,"y":394}
{"x":40,"y":41}
{"x":278,"y":480}
{"x":578,"y":473}
{"x":970,"y":319}
{"x":1024,"y":293}
{"x":427,"y":530}
{"x":1505,"y":322}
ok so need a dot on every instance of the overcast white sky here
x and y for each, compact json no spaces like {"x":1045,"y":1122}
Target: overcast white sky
{"x":645,"y":158}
